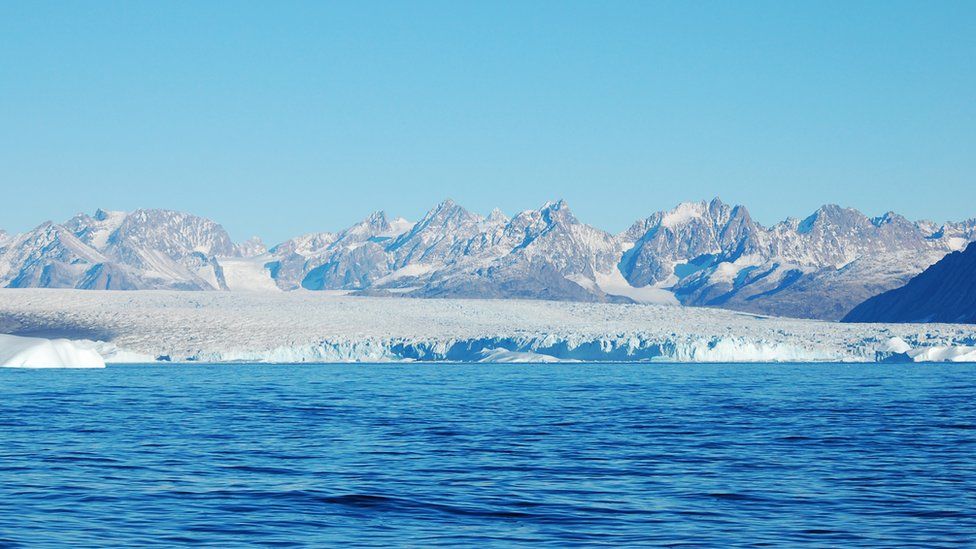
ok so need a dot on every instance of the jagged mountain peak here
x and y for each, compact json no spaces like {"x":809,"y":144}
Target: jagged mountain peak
{"x":378,"y":225}
{"x":104,"y":215}
{"x":47,"y":256}
{"x":51,"y":233}
{"x":176,"y":233}
{"x":46,"y":233}
{"x":702,"y":233}
{"x":832,"y":214}
{"x":377,"y":218}
{"x":558,"y":211}
{"x":740,"y":211}
{"x":557,"y":204}
{"x":373,"y":224}
{"x":97,"y":229}
{"x":439,"y":235}
{"x":685,"y":212}
{"x":886,"y":218}
{"x":712,"y":213}
{"x":445,"y":215}
{"x":497,"y":216}
{"x":446,"y":211}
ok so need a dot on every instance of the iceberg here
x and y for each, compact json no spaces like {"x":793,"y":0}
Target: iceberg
{"x":37,"y":352}
{"x":497,"y":356}
{"x":944,"y":353}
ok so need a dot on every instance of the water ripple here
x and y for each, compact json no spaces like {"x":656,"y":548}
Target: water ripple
{"x":559,"y":455}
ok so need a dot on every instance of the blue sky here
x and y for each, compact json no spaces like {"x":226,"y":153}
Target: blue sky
{"x":279,"y":118}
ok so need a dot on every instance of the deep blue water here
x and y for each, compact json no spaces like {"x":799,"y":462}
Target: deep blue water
{"x":421,"y":455}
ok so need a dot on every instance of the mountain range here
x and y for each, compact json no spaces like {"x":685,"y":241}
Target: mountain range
{"x":698,"y":253}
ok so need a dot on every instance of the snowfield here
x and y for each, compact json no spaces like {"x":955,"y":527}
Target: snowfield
{"x":305,"y":326}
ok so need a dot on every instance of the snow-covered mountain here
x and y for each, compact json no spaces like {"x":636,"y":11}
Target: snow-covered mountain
{"x":352,"y":259}
{"x":542,"y":253}
{"x":145,"y":249}
{"x":452,"y":252}
{"x":945,"y":292}
{"x":698,"y":253}
{"x":713,"y":254}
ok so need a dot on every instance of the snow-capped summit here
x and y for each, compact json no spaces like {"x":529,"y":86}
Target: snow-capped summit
{"x":436,"y":238}
{"x":553,"y":235}
{"x":145,"y":249}
{"x":954,"y":235}
{"x":95,"y":230}
{"x":177,"y":234}
{"x":497,"y":216}
{"x":48,"y":256}
{"x":545,"y":253}
{"x":692,"y":234}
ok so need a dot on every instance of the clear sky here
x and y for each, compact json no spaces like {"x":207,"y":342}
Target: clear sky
{"x":279,"y":118}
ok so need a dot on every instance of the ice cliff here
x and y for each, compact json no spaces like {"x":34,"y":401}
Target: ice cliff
{"x":305,"y":326}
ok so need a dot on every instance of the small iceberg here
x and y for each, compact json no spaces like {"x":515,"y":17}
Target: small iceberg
{"x":498,"y":355}
{"x":944,"y":353}
{"x":37,"y":352}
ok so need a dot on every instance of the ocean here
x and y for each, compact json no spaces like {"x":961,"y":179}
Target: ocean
{"x":424,"y":455}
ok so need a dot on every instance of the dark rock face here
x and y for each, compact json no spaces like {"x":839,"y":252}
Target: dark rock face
{"x":945,"y":292}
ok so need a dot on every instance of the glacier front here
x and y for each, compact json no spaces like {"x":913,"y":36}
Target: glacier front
{"x":306,"y":326}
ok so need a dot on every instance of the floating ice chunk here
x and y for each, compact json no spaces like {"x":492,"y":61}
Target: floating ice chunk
{"x":944,"y":353}
{"x":504,"y":355}
{"x":738,"y":349}
{"x":36,"y":352}
{"x":895,"y":345}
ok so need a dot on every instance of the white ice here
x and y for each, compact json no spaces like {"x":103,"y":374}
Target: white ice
{"x":36,"y":352}
{"x":306,"y":326}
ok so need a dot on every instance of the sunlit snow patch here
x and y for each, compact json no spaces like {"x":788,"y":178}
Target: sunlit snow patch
{"x":248,"y":275}
{"x":613,"y":283}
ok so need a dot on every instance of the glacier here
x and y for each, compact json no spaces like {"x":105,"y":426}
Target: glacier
{"x":318,"y":327}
